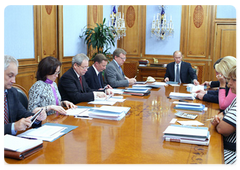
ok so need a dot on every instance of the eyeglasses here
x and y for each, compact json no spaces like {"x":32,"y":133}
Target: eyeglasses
{"x":57,"y":72}
{"x":228,"y":79}
{"x":84,"y":68}
{"x":122,"y":58}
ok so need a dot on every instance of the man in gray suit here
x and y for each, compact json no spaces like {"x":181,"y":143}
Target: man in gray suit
{"x":114,"y":75}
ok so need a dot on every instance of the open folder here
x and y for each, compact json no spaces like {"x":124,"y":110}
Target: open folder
{"x":20,"y":148}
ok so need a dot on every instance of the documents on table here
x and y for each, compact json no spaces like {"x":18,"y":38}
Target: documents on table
{"x":137,"y":91}
{"x":185,"y":115}
{"x":108,"y":112}
{"x":190,"y":123}
{"x":110,"y":100}
{"x":181,"y":96}
{"x":17,"y":144}
{"x":76,"y":111}
{"x":47,"y":132}
{"x":20,"y":148}
{"x":117,"y":91}
{"x":187,"y":134}
{"x":189,"y":106}
{"x":193,"y":88}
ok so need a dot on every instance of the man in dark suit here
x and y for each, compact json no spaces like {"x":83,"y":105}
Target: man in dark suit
{"x":93,"y":76}
{"x":179,"y":71}
{"x":73,"y":86}
{"x":16,"y":117}
{"x":113,"y":74}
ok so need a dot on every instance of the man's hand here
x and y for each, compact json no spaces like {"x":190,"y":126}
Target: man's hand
{"x":166,"y":79}
{"x":22,"y":124}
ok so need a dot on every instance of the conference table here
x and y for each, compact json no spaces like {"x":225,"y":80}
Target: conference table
{"x":136,"y":139}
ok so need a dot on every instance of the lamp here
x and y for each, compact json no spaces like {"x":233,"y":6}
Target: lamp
{"x":160,"y":27}
{"x":117,"y":23}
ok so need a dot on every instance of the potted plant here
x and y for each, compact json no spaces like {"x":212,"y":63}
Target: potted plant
{"x":100,"y":38}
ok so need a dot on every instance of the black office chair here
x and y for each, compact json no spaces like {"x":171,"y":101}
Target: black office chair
{"x":22,"y":97}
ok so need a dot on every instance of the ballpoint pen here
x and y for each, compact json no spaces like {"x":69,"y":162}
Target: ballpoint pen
{"x":135,"y":76}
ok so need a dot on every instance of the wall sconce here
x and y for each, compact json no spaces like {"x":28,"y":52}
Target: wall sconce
{"x":160,"y":27}
{"x":117,"y":23}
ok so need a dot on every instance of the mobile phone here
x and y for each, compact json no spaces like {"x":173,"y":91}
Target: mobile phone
{"x":35,"y":116}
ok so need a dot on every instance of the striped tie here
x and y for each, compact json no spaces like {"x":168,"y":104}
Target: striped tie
{"x":6,"y":120}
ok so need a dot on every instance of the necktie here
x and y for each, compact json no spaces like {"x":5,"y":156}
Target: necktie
{"x":99,"y":79}
{"x":177,"y":74}
{"x":121,"y":70}
{"x":80,"y":79}
{"x":6,"y":120}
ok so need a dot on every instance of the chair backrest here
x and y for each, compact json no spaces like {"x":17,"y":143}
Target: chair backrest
{"x":22,"y":95}
{"x":130,"y":69}
{"x":195,"y":69}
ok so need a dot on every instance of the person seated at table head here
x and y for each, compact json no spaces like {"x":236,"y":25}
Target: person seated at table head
{"x":225,"y":95}
{"x":225,"y":122}
{"x":16,"y":117}
{"x":73,"y":86}
{"x":114,"y":75}
{"x":181,"y":68}
{"x":93,"y":76}
{"x":44,"y":93}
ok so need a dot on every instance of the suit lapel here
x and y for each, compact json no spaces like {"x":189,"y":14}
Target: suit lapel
{"x":77,"y":80}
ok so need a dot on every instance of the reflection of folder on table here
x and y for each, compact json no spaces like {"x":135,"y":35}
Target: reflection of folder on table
{"x":20,"y":148}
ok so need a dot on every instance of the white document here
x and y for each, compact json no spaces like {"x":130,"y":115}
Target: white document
{"x":117,"y":91}
{"x":18,"y":144}
{"x":175,"y":95}
{"x":46,"y":132}
{"x":103,"y":102}
{"x":191,"y":122}
{"x":114,"y":108}
{"x":193,"y":88}
{"x":77,"y":111}
{"x":159,"y":83}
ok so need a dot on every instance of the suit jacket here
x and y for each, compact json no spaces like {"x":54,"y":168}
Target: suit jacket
{"x":185,"y":71}
{"x":92,"y":79}
{"x":16,"y":110}
{"x":70,"y":88}
{"x":114,"y":77}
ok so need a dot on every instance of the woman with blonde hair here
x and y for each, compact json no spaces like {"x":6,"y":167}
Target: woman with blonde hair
{"x":222,"y":69}
{"x":225,"y":122}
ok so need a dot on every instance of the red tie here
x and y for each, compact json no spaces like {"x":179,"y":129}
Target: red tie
{"x":6,"y":121}
{"x":80,"y":79}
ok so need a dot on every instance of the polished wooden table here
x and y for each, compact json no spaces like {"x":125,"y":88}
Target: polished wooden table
{"x":136,"y":139}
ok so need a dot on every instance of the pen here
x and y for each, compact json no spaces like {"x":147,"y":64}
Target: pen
{"x":135,"y":76}
{"x":105,"y":87}
{"x":209,"y":119}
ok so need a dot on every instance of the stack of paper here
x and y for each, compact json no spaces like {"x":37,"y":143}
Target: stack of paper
{"x":109,"y":113}
{"x":137,"y":91}
{"x":192,"y":88}
{"x":19,"y":148}
{"x":109,"y":100}
{"x":149,"y":85}
{"x":189,"y":106}
{"x":47,"y":132}
{"x":181,"y":96}
{"x":187,"y":134}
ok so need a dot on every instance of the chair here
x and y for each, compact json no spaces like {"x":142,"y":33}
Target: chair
{"x":130,"y":69}
{"x":22,"y":95}
{"x":195,"y":69}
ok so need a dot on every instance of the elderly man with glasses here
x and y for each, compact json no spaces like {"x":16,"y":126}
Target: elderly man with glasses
{"x":114,"y":75}
{"x":73,"y":86}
